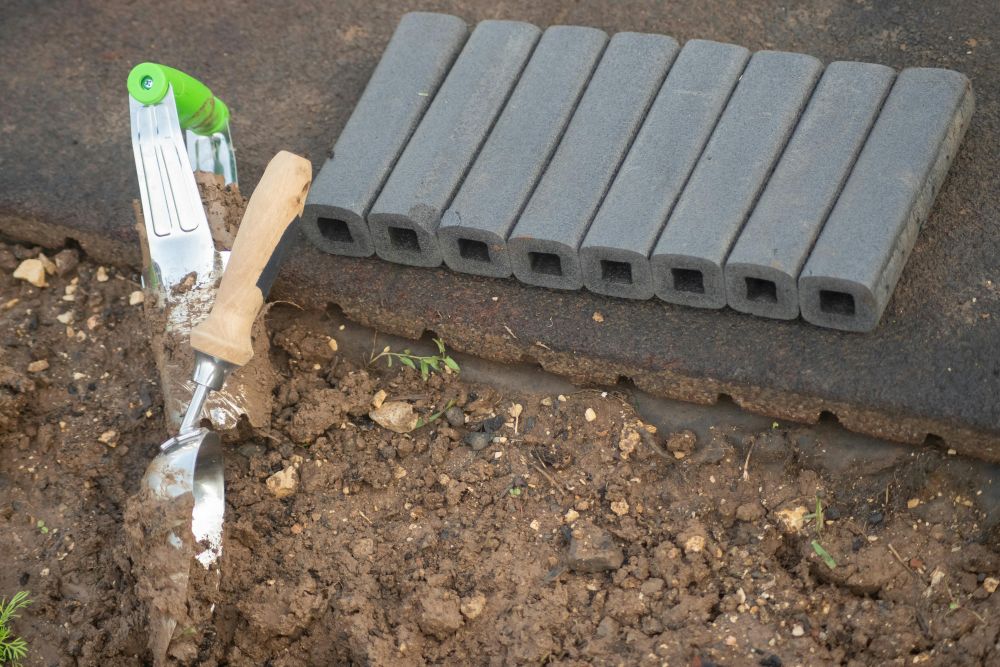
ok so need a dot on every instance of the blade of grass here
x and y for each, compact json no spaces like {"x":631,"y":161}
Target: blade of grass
{"x":824,"y":554}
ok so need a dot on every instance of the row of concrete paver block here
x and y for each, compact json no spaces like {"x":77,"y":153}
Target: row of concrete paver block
{"x":703,"y":175}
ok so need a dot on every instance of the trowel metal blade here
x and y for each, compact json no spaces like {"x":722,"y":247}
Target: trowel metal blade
{"x":191,"y":465}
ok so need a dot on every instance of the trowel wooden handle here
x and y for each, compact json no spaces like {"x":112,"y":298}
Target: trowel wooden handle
{"x":255,"y":258}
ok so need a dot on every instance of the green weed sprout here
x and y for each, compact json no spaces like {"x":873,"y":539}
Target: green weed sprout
{"x":12,"y":649}
{"x":416,"y":362}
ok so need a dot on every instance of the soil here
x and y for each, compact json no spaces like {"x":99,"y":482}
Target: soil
{"x":566,"y":531}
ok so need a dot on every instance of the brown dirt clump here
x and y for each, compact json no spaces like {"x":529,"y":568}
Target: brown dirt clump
{"x":496,"y":535}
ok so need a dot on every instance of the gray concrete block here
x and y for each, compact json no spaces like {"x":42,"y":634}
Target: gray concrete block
{"x":544,"y":244}
{"x":854,"y":266}
{"x":688,"y":259}
{"x":473,"y":231}
{"x":763,"y":267}
{"x":614,"y":256}
{"x":412,"y":67}
{"x":405,"y":217}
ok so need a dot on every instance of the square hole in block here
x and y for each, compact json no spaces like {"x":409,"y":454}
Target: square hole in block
{"x":334,"y":230}
{"x":762,"y":291}
{"x":688,"y":280}
{"x":404,"y":238}
{"x":616,"y":272}
{"x":545,"y":262}
{"x":477,"y":251}
{"x":836,"y":303}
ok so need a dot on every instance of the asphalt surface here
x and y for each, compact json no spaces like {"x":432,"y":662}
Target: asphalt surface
{"x":292,"y":72}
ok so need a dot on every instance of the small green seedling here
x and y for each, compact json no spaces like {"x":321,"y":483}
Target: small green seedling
{"x":42,"y":528}
{"x":12,"y":649}
{"x":416,"y":362}
{"x":824,"y":554}
{"x":817,"y":517}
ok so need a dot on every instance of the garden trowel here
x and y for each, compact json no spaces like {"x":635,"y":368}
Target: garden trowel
{"x":190,"y":464}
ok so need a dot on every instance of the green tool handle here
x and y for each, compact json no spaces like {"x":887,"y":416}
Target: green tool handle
{"x":197,"y":108}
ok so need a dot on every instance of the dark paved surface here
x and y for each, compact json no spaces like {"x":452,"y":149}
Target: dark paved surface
{"x":292,"y":72}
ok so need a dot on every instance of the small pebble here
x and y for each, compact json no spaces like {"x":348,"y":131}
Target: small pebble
{"x":455,"y":416}
{"x":598,"y":317}
{"x":694,"y":544}
{"x":284,"y":482}
{"x":109,"y":438}
{"x":31,"y":271}
{"x":619,"y":507}
{"x":547,"y":402}
{"x":990,"y":584}
{"x":66,"y":260}
{"x":571,"y":516}
{"x":333,"y":344}
{"x":477,"y":440}
{"x":38,"y":366}
{"x":561,"y":398}
{"x":379,"y":398}
{"x":136,"y":298}
{"x":797,"y":630}
{"x":101,"y":275}
{"x":65,"y":318}
{"x":473,"y":605}
{"x":590,"y":415}
{"x":593,"y":549}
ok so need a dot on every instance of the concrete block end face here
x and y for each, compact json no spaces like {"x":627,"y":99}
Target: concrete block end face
{"x":835,"y":303}
{"x":760,"y":290}
{"x":545,"y":263}
{"x":616,"y":272}
{"x":688,"y":281}
{"x":471,"y":250}
{"x":336,"y":230}
{"x":398,"y":238}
